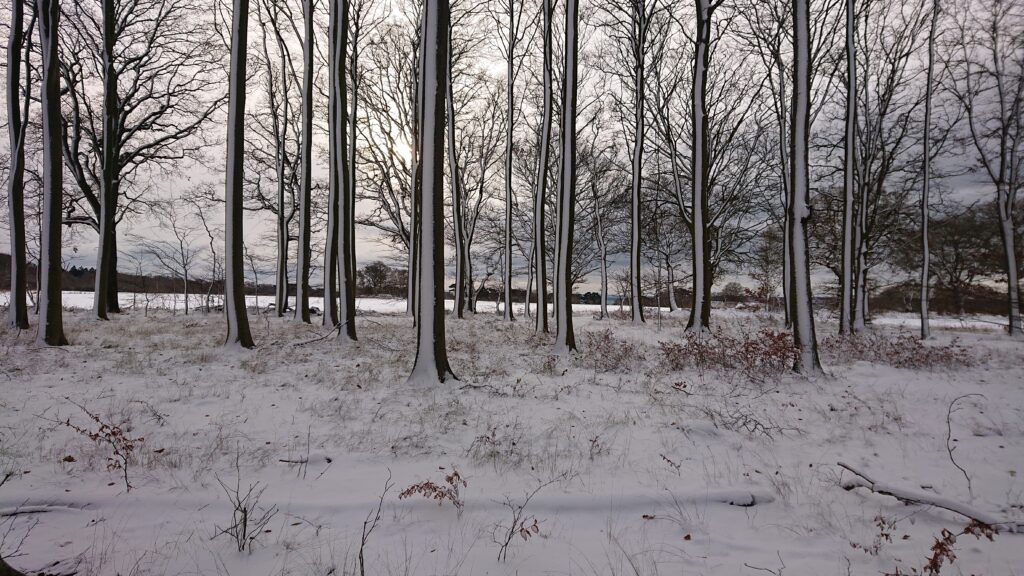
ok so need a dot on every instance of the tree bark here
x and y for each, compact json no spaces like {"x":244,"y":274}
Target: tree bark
{"x":306,"y":185}
{"x":458,"y":193}
{"x":510,"y":119}
{"x":1006,"y":231}
{"x":234,"y":284}
{"x":17,"y":122}
{"x":431,"y":365}
{"x":540,"y":195}
{"x":700,"y":311}
{"x":51,"y":329}
{"x":799,"y":206}
{"x":344,"y":198}
{"x":926,"y":173}
{"x":639,"y":124}
{"x":108,"y":189}
{"x":331,"y":262}
{"x":565,"y":338}
{"x":846,"y":275}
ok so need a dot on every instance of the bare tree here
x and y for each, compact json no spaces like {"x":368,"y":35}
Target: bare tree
{"x":431,"y":365}
{"x":987,"y":78}
{"x":849,"y":172}
{"x":51,"y":324}
{"x":234,"y":265}
{"x":158,"y":67}
{"x":18,"y":100}
{"x":302,"y":289}
{"x":178,"y":256}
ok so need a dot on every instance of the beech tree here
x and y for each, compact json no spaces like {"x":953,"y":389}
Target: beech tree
{"x":19,"y":97}
{"x":431,"y":364}
{"x":234,"y":263}
{"x":799,"y":199}
{"x":565,"y":338}
{"x":541,"y":182}
{"x":849,"y":168}
{"x":158,"y":67}
{"x":926,"y":170}
{"x":51,"y":322}
{"x":302,"y":267}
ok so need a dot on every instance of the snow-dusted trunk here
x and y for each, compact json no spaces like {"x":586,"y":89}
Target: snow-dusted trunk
{"x":306,"y":184}
{"x":927,"y":172}
{"x":1004,"y":198}
{"x":412,"y":286}
{"x":234,"y":263}
{"x":334,"y":176}
{"x":672,"y":304}
{"x":565,"y":339}
{"x":860,"y":295}
{"x":51,"y":323}
{"x":787,"y":262}
{"x":458,"y":195}
{"x":850,"y":143}
{"x":509,"y":131}
{"x":431,"y":354}
{"x":108,"y":184}
{"x":17,"y":310}
{"x":540,"y":195}
{"x":602,"y":248}
{"x":639,"y":124}
{"x":345,"y":199}
{"x":700,"y":310}
{"x":799,"y":209}
{"x":529,"y":286}
{"x":280,"y":126}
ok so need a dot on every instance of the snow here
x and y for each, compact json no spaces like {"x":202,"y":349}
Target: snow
{"x":641,"y":472}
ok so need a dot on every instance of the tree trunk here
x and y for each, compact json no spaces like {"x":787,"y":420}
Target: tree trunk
{"x":458,"y":194}
{"x":540,"y":257}
{"x":700,"y":311}
{"x":787,"y":262}
{"x":334,"y":176}
{"x":672,"y":305}
{"x":510,"y":107}
{"x":799,"y":210}
{"x":1006,"y":231}
{"x":846,"y":275}
{"x":431,"y":365}
{"x":306,"y":185}
{"x":346,"y":203}
{"x":565,"y":338}
{"x":17,"y":122}
{"x":108,"y":191}
{"x":234,"y":283}
{"x":51,"y":329}
{"x":926,"y":176}
{"x":637,"y":168}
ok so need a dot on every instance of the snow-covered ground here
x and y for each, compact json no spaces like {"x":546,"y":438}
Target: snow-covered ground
{"x":637,"y":465}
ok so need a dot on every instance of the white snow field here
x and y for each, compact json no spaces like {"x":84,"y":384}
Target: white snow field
{"x":686,"y":458}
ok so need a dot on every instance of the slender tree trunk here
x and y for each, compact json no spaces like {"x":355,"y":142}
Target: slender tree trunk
{"x":346,"y":203}
{"x":672,"y":304}
{"x":529,"y":286}
{"x":335,"y":176}
{"x":540,"y":195}
{"x":639,"y":124}
{"x":234,"y":284}
{"x":431,"y":353}
{"x":108,"y":192}
{"x":306,"y":185}
{"x":17,"y":122}
{"x":803,"y":326}
{"x":927,"y":173}
{"x":1006,"y":231}
{"x":602,"y":248}
{"x":510,"y":119}
{"x":860,"y":296}
{"x":414,"y":224}
{"x":113,"y":292}
{"x":458,"y":194}
{"x":51,"y":329}
{"x":700,"y":311}
{"x":565,"y":338}
{"x":787,"y":261}
{"x":846,"y":276}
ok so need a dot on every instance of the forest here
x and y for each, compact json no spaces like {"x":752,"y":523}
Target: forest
{"x":441,"y":287}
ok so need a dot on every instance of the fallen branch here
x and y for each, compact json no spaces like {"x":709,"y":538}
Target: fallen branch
{"x":861,"y":480}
